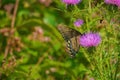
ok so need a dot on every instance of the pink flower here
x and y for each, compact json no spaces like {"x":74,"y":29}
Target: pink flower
{"x":114,"y":2}
{"x":78,"y":22}
{"x":90,"y":39}
{"x":71,"y":1}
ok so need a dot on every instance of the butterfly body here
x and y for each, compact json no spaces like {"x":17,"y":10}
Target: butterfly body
{"x":71,"y":36}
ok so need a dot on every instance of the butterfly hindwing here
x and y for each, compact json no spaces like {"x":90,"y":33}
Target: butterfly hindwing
{"x":71,"y":36}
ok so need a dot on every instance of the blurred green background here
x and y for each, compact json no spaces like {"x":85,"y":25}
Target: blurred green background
{"x":37,"y":50}
{"x":33,"y":49}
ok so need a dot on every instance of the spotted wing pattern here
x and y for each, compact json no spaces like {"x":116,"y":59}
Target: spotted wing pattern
{"x":71,"y":36}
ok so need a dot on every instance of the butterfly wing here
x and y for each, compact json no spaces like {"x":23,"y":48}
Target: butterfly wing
{"x":71,"y":36}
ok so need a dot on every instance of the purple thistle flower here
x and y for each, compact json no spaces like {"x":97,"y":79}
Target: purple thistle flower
{"x":90,"y":39}
{"x":108,"y":2}
{"x":114,"y":2}
{"x":78,"y":22}
{"x":71,"y":1}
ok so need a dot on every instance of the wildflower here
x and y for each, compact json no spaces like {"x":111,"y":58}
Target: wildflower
{"x":108,"y":2}
{"x":71,"y":1}
{"x":90,"y":39}
{"x":78,"y":22}
{"x":114,"y":2}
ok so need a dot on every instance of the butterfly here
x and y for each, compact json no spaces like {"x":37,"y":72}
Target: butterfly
{"x":71,"y":36}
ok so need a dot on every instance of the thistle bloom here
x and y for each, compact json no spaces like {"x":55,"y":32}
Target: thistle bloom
{"x":90,"y":39}
{"x":114,"y":2}
{"x":71,"y":1}
{"x":78,"y":22}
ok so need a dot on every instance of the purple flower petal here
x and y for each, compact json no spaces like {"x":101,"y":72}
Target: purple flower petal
{"x":114,"y":2}
{"x":78,"y":22}
{"x":90,"y":39}
{"x":71,"y":1}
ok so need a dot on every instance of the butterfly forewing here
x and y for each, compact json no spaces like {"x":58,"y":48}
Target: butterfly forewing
{"x":71,"y":36}
{"x":67,"y":32}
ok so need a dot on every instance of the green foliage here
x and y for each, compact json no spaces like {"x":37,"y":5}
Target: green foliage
{"x":36,"y":50}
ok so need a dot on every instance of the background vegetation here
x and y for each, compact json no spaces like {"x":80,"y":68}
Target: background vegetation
{"x":31,"y":48}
